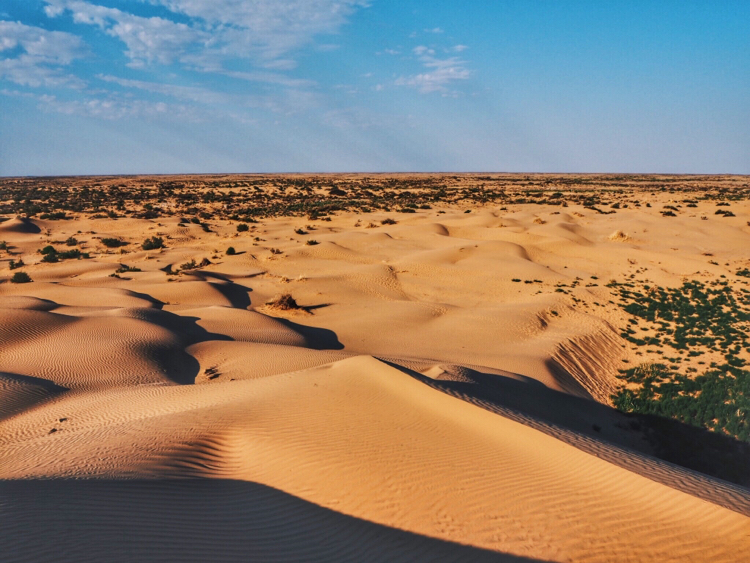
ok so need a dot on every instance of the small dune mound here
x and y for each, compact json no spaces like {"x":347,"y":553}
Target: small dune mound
{"x":619,"y":236}
{"x":539,"y":221}
{"x":285,"y":302}
{"x":20,"y":225}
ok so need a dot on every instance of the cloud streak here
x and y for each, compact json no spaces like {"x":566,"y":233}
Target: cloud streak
{"x":439,"y":74}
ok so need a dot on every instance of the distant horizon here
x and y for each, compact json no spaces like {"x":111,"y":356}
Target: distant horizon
{"x":364,"y":173}
{"x":88,"y":87}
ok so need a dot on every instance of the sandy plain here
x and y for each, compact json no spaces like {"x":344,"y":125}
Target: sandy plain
{"x":443,"y":389}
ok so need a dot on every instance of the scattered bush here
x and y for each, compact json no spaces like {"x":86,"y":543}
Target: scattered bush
{"x":13,"y":264}
{"x":242,"y":227}
{"x":231,"y":251}
{"x":123,"y":268}
{"x":71,"y":241}
{"x":20,"y":277}
{"x":312,"y":242}
{"x":113,"y":242}
{"x":388,"y":221}
{"x":153,"y":243}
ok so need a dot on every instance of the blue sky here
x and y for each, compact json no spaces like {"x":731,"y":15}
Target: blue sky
{"x":173,"y":86}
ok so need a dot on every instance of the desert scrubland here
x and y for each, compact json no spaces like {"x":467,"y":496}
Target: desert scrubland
{"x":375,"y":367}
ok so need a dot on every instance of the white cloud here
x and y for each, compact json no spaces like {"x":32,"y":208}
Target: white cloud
{"x":263,"y":30}
{"x":147,"y":39}
{"x":422,"y":50}
{"x":40,"y":55}
{"x":434,"y":30}
{"x":440,"y":73}
{"x":459,"y":48}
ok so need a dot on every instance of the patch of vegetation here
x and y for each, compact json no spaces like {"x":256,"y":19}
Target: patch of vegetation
{"x":13,"y":264}
{"x":153,"y":243}
{"x":231,"y":251}
{"x":718,"y":399}
{"x":691,"y":320}
{"x":312,"y":242}
{"x":123,"y":268}
{"x":20,"y":277}
{"x":113,"y":242}
{"x":52,"y":255}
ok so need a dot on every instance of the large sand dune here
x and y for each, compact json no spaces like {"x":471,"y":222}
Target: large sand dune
{"x":433,"y":397}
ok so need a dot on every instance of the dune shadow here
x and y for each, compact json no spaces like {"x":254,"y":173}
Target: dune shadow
{"x":202,"y":520}
{"x":23,"y":225}
{"x":179,"y":366}
{"x":588,"y":425}
{"x":156,"y":303}
{"x":238,"y":295}
{"x":40,"y":382}
{"x":315,"y":338}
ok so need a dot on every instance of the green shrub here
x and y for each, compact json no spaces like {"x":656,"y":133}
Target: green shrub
{"x":20,"y":277}
{"x":47,"y":250}
{"x":71,"y":241}
{"x":312,"y":242}
{"x":113,"y":242}
{"x":50,"y":258}
{"x":153,"y":243}
{"x":123,"y":268}
{"x":231,"y":251}
{"x":13,"y":264}
{"x":242,"y":227}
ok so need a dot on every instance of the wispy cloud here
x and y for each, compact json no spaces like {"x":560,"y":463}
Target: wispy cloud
{"x":109,"y":108}
{"x":147,"y":40}
{"x":265,"y":31}
{"x":36,"y":56}
{"x":439,"y":75}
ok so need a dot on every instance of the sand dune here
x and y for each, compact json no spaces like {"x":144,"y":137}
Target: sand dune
{"x":441,"y":391}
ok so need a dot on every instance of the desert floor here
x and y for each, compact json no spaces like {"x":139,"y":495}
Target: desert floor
{"x":442,"y":389}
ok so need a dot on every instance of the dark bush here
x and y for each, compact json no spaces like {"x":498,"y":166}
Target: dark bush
{"x":113,"y":242}
{"x":231,"y":251}
{"x":20,"y":277}
{"x":242,"y":227}
{"x":153,"y":243}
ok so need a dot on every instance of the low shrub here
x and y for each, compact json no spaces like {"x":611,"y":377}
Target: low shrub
{"x":153,"y":243}
{"x":113,"y":242}
{"x":20,"y":277}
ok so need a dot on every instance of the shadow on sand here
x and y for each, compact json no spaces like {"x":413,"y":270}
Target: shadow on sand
{"x":202,"y":520}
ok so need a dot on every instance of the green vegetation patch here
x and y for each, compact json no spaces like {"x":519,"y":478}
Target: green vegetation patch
{"x":693,"y":319}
